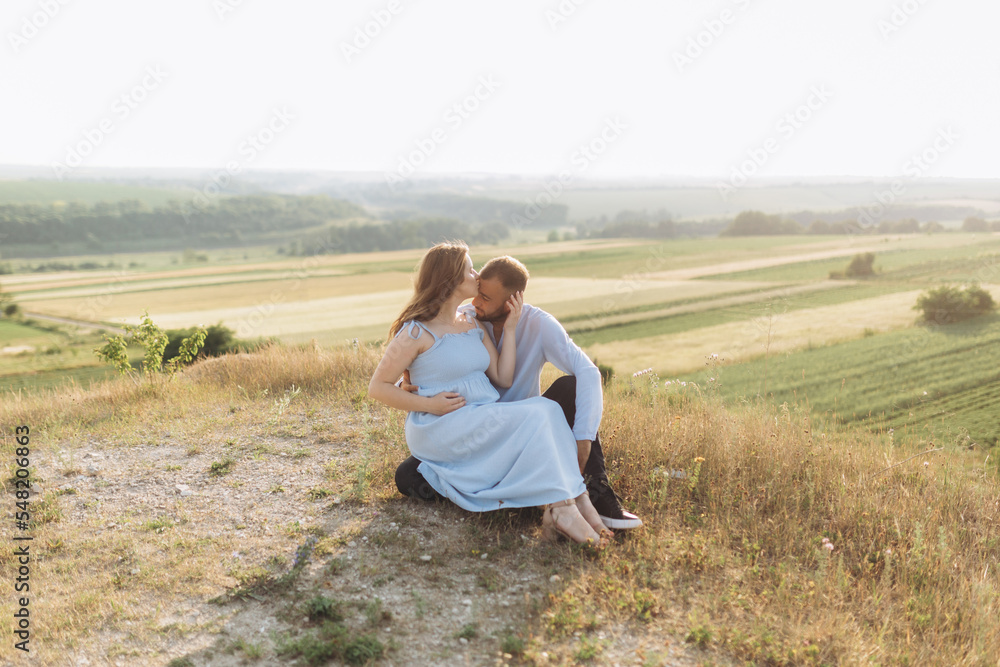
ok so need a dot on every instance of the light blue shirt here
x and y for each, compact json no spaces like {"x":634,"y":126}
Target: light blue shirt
{"x":540,"y":339}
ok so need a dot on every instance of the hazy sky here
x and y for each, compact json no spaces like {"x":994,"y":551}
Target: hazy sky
{"x":857,"y":87}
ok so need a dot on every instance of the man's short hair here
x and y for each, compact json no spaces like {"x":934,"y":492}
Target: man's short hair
{"x":513,"y":275}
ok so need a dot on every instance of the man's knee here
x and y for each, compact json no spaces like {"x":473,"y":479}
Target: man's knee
{"x":565,"y":385}
{"x":406,"y":473}
{"x":563,"y":392}
{"x":411,"y":483}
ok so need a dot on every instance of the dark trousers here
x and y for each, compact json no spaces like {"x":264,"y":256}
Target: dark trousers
{"x":563,"y":391}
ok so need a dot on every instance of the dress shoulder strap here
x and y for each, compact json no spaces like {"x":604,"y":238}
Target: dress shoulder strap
{"x":413,"y":329}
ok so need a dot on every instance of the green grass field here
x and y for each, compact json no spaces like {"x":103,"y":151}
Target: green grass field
{"x":932,"y":384}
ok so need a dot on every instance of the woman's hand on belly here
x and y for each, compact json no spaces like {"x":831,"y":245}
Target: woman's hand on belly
{"x":445,"y":402}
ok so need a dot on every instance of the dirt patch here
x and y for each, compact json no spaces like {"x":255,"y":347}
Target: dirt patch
{"x":184,"y":517}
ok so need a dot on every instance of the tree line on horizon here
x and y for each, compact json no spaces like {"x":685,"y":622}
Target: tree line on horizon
{"x":321,"y":224}
{"x":758,"y":223}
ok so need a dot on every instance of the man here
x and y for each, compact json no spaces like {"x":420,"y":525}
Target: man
{"x":540,"y":338}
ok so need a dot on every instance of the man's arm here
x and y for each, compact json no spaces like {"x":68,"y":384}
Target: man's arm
{"x":564,"y":354}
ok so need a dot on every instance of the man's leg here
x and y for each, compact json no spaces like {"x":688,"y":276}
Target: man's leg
{"x":411,"y":483}
{"x":595,"y":473}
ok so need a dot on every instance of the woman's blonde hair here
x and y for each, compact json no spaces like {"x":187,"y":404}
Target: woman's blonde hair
{"x":441,"y":270}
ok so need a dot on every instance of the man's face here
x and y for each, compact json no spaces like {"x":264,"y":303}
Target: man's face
{"x":491,"y":302}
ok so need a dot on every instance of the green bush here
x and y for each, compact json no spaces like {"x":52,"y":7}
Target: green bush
{"x":219,"y":339}
{"x":861,"y":266}
{"x":953,"y":304}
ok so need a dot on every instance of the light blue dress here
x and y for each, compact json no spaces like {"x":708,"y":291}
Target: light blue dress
{"x":486,"y":455}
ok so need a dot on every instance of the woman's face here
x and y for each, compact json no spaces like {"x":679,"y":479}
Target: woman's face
{"x":469,"y":287}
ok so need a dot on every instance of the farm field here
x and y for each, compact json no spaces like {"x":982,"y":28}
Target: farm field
{"x":935,"y":384}
{"x":632,"y":304}
{"x":34,"y":357}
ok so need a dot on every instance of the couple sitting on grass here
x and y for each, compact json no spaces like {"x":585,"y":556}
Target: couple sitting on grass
{"x":480,"y":434}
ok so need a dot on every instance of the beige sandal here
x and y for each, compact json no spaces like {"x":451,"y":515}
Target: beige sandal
{"x":571,"y":529}
{"x":586,"y":507}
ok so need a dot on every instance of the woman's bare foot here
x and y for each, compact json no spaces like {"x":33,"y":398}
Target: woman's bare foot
{"x":563,"y":518}
{"x":590,"y":513}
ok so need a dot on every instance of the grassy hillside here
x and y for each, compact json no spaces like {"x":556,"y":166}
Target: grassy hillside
{"x":767,"y":540}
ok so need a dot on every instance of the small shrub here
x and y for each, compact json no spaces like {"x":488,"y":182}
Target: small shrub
{"x":948,"y":304}
{"x":700,"y":635}
{"x":468,"y":631}
{"x":512,"y":644}
{"x":321,"y":607}
{"x":363,"y":649}
{"x":222,"y":467}
{"x":861,"y":266}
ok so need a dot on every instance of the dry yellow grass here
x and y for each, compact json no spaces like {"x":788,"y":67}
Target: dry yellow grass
{"x":732,"y":556}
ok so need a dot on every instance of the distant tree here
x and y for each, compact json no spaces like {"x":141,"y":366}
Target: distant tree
{"x":948,"y":304}
{"x":906,"y":226}
{"x":974,"y":224}
{"x":663,"y":229}
{"x":7,"y":305}
{"x":932,"y":228}
{"x":861,"y":266}
{"x":819,"y":227}
{"x":757,"y":223}
{"x":553,"y":236}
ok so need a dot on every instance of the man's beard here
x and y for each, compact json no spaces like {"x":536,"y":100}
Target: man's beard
{"x":498,"y":316}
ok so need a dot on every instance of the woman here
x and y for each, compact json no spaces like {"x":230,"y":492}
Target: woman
{"x":480,"y":454}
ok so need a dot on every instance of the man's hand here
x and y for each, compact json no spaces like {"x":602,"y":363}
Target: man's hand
{"x":582,"y":453}
{"x":405,"y":385}
{"x":514,"y":306}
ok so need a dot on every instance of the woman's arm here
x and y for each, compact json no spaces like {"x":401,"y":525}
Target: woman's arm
{"x":501,"y":369}
{"x":399,"y":354}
